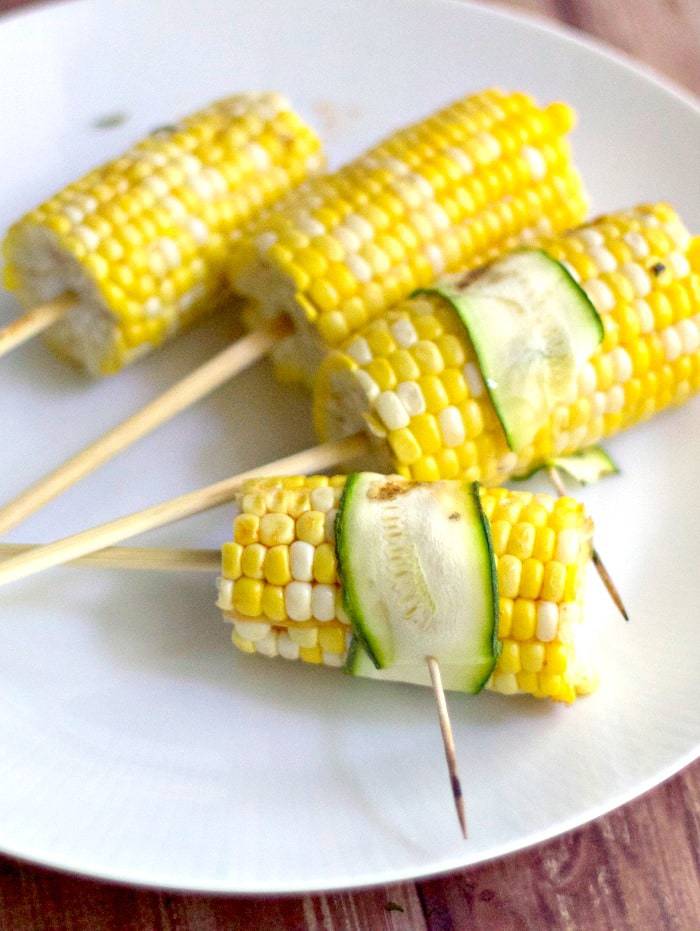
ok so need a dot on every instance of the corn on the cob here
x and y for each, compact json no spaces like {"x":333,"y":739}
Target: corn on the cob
{"x":450,"y":192}
{"x":411,"y":378}
{"x":279,"y":584}
{"x":141,"y":241}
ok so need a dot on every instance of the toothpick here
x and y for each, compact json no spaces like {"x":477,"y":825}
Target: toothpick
{"x":448,"y":741}
{"x":604,"y":575}
{"x":139,"y":558}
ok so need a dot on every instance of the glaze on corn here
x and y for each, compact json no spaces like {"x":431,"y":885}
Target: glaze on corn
{"x":411,"y":377}
{"x":141,"y":241}
{"x":279,"y":585}
{"x":450,"y":192}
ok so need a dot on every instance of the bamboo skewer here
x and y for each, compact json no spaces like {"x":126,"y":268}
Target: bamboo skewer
{"x":33,"y":322}
{"x":604,"y":575}
{"x":315,"y":459}
{"x":448,"y":742}
{"x":190,"y":389}
{"x":141,"y":558}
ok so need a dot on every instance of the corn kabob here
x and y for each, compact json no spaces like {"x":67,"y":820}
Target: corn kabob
{"x":641,"y":353}
{"x":291,"y":590}
{"x":461,"y":185}
{"x":451,"y":192}
{"x":140,"y":243}
{"x":413,"y":380}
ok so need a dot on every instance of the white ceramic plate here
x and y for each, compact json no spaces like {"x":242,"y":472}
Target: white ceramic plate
{"x":134,"y":744}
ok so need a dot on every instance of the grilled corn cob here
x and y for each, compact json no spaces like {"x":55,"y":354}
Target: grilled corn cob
{"x":452,"y":191}
{"x":412,"y":379}
{"x":141,"y":241}
{"x":279,"y":584}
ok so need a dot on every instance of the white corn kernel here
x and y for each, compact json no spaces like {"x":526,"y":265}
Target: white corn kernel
{"x":333,"y":659}
{"x":568,"y":544}
{"x":623,"y":364}
{"x":434,"y":255}
{"x":301,"y":561}
{"x":547,"y":621}
{"x":637,"y":277}
{"x":224,"y":600}
{"x":461,"y":158}
{"x":672,"y":343}
{"x":323,"y":602}
{"x":644,"y":315}
{"x":411,"y":397}
{"x":599,"y":402}
{"x":267,"y":645}
{"x":589,"y":237}
{"x":404,"y":332}
{"x":360,"y":351}
{"x":297,"y":601}
{"x":638,"y":244}
{"x":359,"y":267}
{"x":351,"y":242}
{"x":361,"y":227}
{"x":615,"y":400}
{"x":368,"y":385}
{"x":252,"y":630}
{"x":391,"y":410}
{"x":587,"y":380}
{"x":603,"y":258}
{"x":287,"y":647}
{"x":451,"y":426}
{"x":505,"y":683}
{"x":322,"y":498}
{"x":303,"y":636}
{"x":689,"y":334}
{"x":679,"y":264}
{"x":535,"y":161}
{"x":600,"y":294}
{"x":474,"y":379}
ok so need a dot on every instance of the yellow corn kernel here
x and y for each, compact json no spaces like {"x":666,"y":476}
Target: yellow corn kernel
{"x":245,"y":646}
{"x":311,"y":654}
{"x":245,"y":529}
{"x":276,"y":529}
{"x":556,"y":658}
{"x":522,"y":540}
{"x":310,"y":527}
{"x":524,"y":619}
{"x":254,"y":503}
{"x":331,"y":639}
{"x":447,"y":462}
{"x":509,"y":571}
{"x":545,"y":542}
{"x":505,"y":617}
{"x":532,"y":656}
{"x":252,"y":560}
{"x":434,"y":393}
{"x":276,"y":566}
{"x":426,"y":469}
{"x":382,"y":373}
{"x":527,"y":682}
{"x":500,"y":535}
{"x":551,"y":684}
{"x":247,"y":597}
{"x":272,"y":603}
{"x":531,"y":578}
{"x":404,"y":365}
{"x":405,"y":446}
{"x":231,"y":560}
{"x":426,"y":432}
{"x":324,"y":564}
{"x":553,"y":582}
{"x":509,"y":660}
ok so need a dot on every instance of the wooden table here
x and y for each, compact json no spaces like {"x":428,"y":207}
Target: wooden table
{"x":637,"y":869}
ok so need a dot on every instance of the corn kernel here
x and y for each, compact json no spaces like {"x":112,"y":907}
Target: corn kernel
{"x":324,"y":564}
{"x":332,"y":639}
{"x":524,"y":619}
{"x":553,"y":582}
{"x":509,"y":660}
{"x":247,"y":597}
{"x":231,"y":560}
{"x":509,"y":571}
{"x":272,"y":603}
{"x":252,"y":560}
{"x":310,"y":527}
{"x":245,"y":529}
{"x":276,"y":529}
{"x":532,"y":656}
{"x":505,"y":617}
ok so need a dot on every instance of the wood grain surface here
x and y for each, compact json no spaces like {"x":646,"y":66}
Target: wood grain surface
{"x":637,"y":869}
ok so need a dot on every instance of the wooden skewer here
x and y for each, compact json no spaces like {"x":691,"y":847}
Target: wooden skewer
{"x":141,"y":558}
{"x":315,"y":459}
{"x":195,"y":386}
{"x":448,"y":741}
{"x":34,"y":321}
{"x":604,"y":575}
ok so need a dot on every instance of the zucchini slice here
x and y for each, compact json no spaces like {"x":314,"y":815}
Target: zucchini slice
{"x":585,"y":467}
{"x":532,"y":328}
{"x":419,"y":580}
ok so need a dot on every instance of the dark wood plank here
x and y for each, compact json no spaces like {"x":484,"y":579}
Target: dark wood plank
{"x":637,"y":869}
